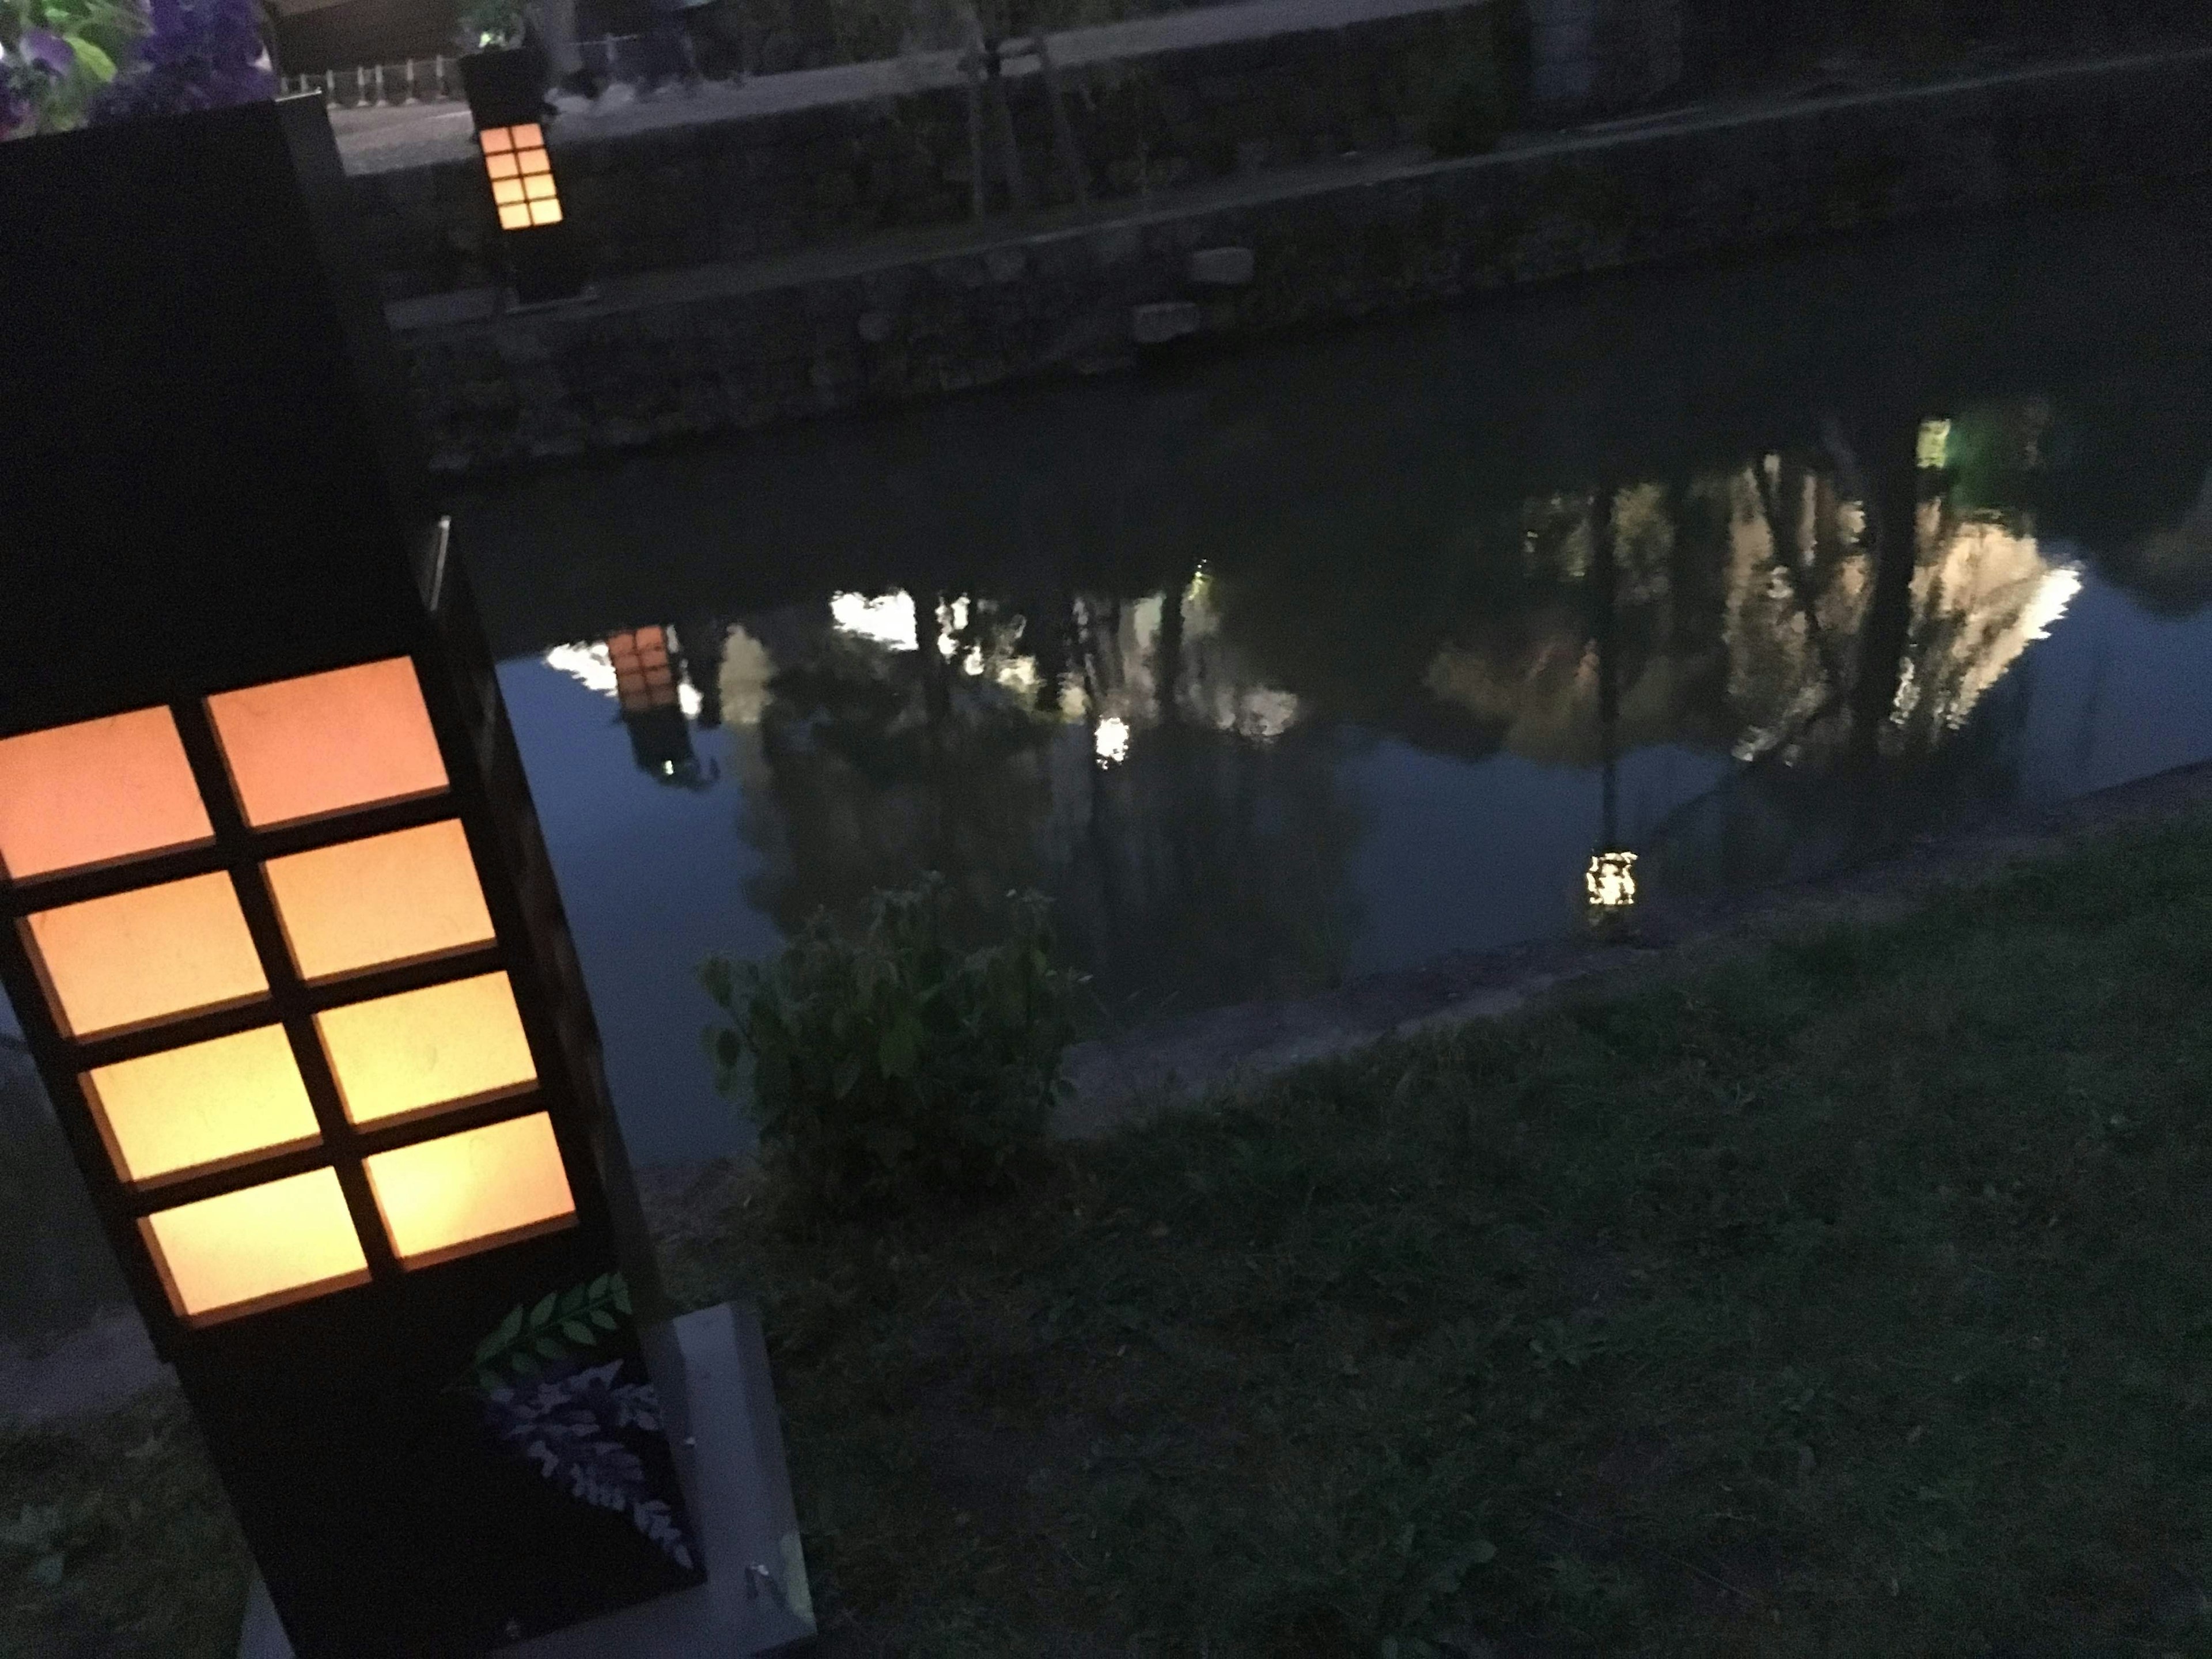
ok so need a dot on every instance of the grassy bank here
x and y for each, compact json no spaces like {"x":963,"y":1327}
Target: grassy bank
{"x":1848,"y":1300}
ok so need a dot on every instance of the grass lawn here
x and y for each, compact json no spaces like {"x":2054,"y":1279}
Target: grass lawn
{"x":1848,"y":1300}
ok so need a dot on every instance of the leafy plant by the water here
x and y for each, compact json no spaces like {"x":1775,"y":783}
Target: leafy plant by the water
{"x":490,"y":23}
{"x":896,"y":1065}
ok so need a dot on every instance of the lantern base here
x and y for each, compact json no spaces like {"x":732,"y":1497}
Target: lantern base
{"x":720,"y":1408}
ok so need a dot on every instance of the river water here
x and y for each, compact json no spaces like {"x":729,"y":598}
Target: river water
{"x":1324,"y":659}
{"x":1282,"y":668}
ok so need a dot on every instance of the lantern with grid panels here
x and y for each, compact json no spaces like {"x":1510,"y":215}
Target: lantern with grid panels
{"x":256,"y":920}
{"x":505,"y":92}
{"x":278,"y":923}
{"x":521,"y":175}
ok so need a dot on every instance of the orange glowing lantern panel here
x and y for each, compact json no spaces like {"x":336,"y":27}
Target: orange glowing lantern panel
{"x":521,"y":176}
{"x":446,"y":1045}
{"x":328,"y":742}
{"x":447,"y":1197}
{"x":645,"y":678}
{"x":202,"y":1107}
{"x":259,"y":1248}
{"x":152,"y":954}
{"x":96,"y":793}
{"x":398,"y":897}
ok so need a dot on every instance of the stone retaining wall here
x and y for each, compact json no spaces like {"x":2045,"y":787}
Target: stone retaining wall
{"x":1596,"y":56}
{"x":715,"y":191}
{"x":727,"y":350}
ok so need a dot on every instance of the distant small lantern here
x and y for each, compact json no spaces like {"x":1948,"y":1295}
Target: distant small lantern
{"x":505,"y":92}
{"x":284,"y":940}
{"x":521,"y":174}
{"x":1609,"y":883}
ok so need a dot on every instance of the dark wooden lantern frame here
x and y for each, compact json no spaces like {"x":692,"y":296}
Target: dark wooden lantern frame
{"x":505,"y":88}
{"x":210,"y":485}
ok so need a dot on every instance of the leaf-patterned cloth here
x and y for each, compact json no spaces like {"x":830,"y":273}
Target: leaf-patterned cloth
{"x":568,"y":1424}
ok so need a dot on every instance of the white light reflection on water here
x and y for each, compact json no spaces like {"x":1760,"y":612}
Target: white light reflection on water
{"x":886,"y":618}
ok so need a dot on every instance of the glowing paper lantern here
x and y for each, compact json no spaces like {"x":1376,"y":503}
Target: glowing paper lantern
{"x":521,"y":175}
{"x":506,"y":105}
{"x":175,"y":963}
{"x":282,"y":935}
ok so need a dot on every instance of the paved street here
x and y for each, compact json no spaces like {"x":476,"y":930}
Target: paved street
{"x":414,"y":135}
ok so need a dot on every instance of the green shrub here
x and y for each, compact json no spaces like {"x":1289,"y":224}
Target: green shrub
{"x":482,"y":23}
{"x":897,"y":1067}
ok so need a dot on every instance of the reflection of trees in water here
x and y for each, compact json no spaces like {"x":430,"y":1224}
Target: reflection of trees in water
{"x":879,"y":764}
{"x":1874,"y":608}
{"x":1846,"y":619}
{"x":1145,"y":781}
{"x":1209,"y":861}
{"x":1766,"y":610}
{"x":1617,"y":567}
{"x":2169,"y":568}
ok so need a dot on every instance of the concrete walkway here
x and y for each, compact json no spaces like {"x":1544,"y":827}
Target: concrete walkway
{"x":380,"y":140}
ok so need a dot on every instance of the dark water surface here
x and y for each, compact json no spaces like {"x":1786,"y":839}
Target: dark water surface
{"x":1330,"y":656}
{"x":1285,"y":668}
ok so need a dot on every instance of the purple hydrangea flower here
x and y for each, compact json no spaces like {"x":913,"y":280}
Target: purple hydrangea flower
{"x":43,"y":49}
{"x":198,"y":54}
{"x":14,"y":98}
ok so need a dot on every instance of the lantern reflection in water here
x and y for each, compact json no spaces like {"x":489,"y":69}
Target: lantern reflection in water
{"x":1610,"y":882}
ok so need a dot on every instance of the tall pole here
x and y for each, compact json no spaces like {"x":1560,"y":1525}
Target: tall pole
{"x":1894,"y":485}
{"x":1603,"y":588}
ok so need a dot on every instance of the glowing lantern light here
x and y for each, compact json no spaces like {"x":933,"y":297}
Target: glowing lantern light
{"x":452,"y":1044}
{"x":1609,"y":883}
{"x":161,"y":957}
{"x":215,"y":1259}
{"x":1110,"y":743}
{"x":506,"y":105}
{"x":521,"y":175}
{"x":283,"y":939}
{"x":205,"y":1106}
